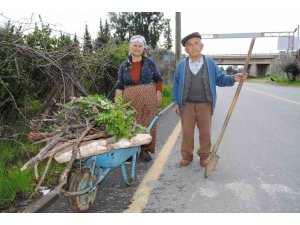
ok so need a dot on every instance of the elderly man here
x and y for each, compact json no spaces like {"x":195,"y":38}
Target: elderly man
{"x":194,"y":95}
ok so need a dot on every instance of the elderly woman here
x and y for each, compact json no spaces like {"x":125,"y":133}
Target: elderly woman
{"x":141,"y":83}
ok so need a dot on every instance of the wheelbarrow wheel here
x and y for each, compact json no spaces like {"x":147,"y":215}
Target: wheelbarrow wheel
{"x":79,"y":181}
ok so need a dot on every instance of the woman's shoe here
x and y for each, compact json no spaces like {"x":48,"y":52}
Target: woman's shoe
{"x":145,"y":156}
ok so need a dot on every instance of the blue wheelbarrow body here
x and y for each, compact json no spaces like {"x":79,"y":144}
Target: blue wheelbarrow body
{"x":83,"y":184}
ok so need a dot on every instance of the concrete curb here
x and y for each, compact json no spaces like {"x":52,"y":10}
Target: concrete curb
{"x":53,"y":195}
{"x":44,"y":202}
{"x":166,"y":109}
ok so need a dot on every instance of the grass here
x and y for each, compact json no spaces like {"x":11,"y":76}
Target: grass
{"x":166,"y":96}
{"x":277,"y":79}
{"x":16,"y":185}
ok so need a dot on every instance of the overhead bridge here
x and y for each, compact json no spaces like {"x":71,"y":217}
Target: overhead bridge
{"x":260,"y":64}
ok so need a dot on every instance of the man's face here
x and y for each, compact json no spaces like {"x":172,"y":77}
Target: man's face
{"x":136,"y":49}
{"x":194,"y":47}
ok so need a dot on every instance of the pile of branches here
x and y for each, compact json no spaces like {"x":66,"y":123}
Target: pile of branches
{"x":80,"y":120}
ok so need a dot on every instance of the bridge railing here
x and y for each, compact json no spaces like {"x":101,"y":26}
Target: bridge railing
{"x":243,"y":55}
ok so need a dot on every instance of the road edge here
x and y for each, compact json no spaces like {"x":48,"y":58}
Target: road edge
{"x":44,"y":202}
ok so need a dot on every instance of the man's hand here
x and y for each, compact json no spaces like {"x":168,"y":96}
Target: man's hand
{"x":176,"y":110}
{"x":238,"y":76}
{"x":159,"y":98}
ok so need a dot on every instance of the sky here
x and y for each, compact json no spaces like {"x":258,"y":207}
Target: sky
{"x":205,"y":17}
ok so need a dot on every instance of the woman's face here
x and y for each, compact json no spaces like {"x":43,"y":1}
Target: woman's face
{"x":136,"y":49}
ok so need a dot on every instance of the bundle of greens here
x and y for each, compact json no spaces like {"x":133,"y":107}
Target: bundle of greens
{"x":115,"y":119}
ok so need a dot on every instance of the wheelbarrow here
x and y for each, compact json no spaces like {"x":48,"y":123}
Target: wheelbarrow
{"x":83,"y":184}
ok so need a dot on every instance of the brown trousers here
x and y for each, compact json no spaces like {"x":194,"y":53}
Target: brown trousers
{"x":196,"y":114}
{"x":143,"y":99}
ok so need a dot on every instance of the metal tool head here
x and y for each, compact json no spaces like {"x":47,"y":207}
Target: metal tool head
{"x":212,"y":163}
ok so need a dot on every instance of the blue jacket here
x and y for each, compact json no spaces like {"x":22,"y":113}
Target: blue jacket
{"x":215,"y":75}
{"x":149,"y":73}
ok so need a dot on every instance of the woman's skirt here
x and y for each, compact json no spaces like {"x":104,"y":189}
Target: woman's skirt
{"x":144,"y":101}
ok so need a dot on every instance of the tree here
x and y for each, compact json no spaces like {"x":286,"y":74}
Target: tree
{"x":297,"y":59}
{"x":40,"y":38}
{"x":75,"y":39}
{"x":64,"y":41}
{"x":148,"y":24}
{"x":87,"y":41}
{"x":103,"y":35}
{"x":167,"y":35}
{"x":120,"y":23}
{"x":153,"y":22}
{"x":229,"y":70}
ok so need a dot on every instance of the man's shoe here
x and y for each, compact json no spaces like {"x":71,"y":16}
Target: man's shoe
{"x":145,"y":156}
{"x":184,"y":162}
{"x":203,"y":162}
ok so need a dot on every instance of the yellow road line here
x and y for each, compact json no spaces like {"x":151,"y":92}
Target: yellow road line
{"x":142,"y":194}
{"x":274,"y":96}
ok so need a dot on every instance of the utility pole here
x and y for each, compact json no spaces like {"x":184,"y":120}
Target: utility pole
{"x":178,"y":36}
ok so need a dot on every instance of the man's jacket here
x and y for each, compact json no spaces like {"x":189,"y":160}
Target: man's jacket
{"x":215,"y":75}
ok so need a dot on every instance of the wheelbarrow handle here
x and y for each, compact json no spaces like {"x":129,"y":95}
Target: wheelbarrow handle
{"x":152,"y":122}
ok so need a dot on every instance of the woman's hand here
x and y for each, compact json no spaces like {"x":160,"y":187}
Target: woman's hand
{"x":118,"y":93}
{"x":159,"y":98}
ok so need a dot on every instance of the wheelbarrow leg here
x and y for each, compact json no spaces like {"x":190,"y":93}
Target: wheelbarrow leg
{"x":124,"y":174}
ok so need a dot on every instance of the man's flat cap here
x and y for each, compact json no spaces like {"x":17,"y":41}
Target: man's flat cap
{"x":185,"y":39}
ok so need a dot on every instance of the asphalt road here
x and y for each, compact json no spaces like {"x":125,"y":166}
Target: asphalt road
{"x":257,"y":170}
{"x":259,"y":158}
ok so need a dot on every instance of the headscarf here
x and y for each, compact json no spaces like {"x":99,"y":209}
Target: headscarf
{"x":138,"y":39}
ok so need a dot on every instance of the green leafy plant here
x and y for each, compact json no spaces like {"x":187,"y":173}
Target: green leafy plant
{"x":116,"y":119}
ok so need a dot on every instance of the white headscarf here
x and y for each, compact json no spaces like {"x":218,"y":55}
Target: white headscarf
{"x":138,"y":39}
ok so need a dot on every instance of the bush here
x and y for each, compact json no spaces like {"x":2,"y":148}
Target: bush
{"x":292,"y":71}
{"x":33,"y":108}
{"x":99,"y":71}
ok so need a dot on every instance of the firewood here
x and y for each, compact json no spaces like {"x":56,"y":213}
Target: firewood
{"x":44,"y":151}
{"x":34,"y":137}
{"x":64,"y":176}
